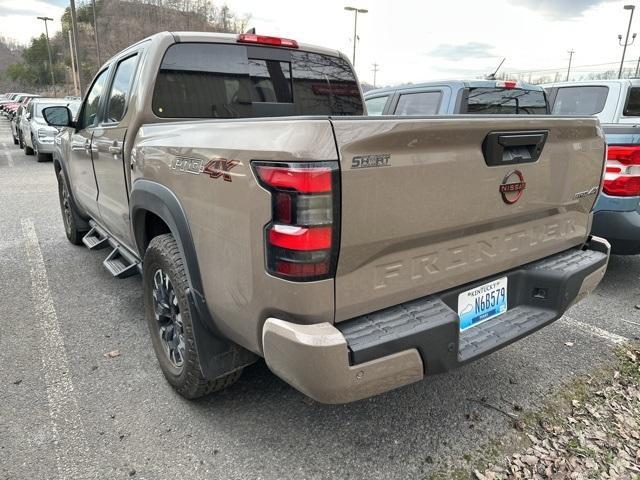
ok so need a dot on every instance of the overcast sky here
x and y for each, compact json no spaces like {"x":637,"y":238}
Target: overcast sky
{"x":415,"y":40}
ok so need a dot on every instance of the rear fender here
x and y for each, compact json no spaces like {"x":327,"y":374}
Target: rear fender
{"x":218,"y":356}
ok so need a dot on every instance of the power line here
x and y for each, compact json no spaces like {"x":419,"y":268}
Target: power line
{"x":574,"y":67}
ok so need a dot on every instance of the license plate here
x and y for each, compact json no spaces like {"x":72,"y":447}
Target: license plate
{"x":482,"y":303}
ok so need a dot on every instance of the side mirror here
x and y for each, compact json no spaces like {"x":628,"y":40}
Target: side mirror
{"x":58,"y":116}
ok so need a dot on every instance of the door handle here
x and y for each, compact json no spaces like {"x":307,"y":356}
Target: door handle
{"x":115,"y":150}
{"x":509,"y":148}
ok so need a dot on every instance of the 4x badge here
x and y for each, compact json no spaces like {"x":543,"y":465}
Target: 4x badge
{"x":220,"y":167}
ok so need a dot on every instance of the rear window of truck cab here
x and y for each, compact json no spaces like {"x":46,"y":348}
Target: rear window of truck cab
{"x":208,"y":80}
{"x":586,"y":100}
{"x":632,"y":108}
{"x":498,"y":101}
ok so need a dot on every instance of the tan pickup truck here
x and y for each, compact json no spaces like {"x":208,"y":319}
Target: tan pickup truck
{"x":270,"y":218}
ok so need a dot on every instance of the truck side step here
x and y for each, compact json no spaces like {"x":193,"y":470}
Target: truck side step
{"x":120,"y":264}
{"x":95,"y":239}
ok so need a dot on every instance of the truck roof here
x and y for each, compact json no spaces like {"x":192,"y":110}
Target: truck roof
{"x":585,"y":83}
{"x":217,"y":37}
{"x":479,"y":83}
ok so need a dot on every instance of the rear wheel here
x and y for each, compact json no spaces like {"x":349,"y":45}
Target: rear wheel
{"x":40,"y":157}
{"x":27,"y":149}
{"x":74,"y":225}
{"x":170,"y":323}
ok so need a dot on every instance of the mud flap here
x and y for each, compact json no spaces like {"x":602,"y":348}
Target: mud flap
{"x":218,"y":357}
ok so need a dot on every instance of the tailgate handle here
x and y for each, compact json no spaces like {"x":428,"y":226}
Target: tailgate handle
{"x":510,"y":148}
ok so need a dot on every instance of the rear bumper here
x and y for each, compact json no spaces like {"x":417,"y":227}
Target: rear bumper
{"x":384,"y":350}
{"x":45,"y":147}
{"x":621,"y":229}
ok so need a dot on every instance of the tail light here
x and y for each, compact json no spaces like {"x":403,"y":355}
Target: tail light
{"x":302,"y":238}
{"x":622,"y":171}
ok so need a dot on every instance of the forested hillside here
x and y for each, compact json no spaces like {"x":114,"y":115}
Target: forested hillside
{"x":120,"y":23}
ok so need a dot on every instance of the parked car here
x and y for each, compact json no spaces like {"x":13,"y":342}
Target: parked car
{"x":617,"y":104}
{"x":37,"y":136}
{"x":10,"y":107}
{"x":269,"y":218}
{"x":15,"y":125}
{"x":458,"y":96}
{"x":16,"y":132}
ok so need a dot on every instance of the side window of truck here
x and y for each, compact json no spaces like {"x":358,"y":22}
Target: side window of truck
{"x":423,"y":103}
{"x":92,"y":103}
{"x":375,"y":106}
{"x":119,"y":94}
{"x":632,"y":108}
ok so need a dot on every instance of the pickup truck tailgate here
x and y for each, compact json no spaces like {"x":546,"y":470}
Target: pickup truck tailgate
{"x":433,"y":203}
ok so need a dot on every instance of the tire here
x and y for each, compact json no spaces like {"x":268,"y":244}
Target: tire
{"x":20,"y":141}
{"x":40,"y":157}
{"x":27,"y":149}
{"x":74,"y":226}
{"x":15,"y":141}
{"x":163,"y":265}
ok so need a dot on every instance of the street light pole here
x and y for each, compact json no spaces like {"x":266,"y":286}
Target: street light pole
{"x":626,"y":41}
{"x":46,"y":29}
{"x":95,"y":29}
{"x":356,"y":11}
{"x":74,"y":30}
{"x":73,"y":66}
{"x":570,"y":52}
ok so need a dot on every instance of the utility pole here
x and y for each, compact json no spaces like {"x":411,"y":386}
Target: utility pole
{"x":46,"y":29}
{"x":375,"y":70}
{"x":637,"y":67}
{"x":626,"y":41}
{"x":570,"y":52}
{"x":73,"y":65}
{"x":356,"y":11}
{"x":95,"y":29}
{"x":74,"y":29}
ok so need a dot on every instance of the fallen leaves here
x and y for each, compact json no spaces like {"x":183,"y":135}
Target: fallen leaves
{"x":599,"y":437}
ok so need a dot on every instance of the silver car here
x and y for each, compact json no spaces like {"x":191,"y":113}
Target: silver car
{"x":37,"y":136}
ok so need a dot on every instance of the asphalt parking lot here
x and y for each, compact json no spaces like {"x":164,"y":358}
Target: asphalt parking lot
{"x":69,"y":411}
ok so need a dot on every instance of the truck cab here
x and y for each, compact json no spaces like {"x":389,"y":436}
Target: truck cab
{"x":450,"y":97}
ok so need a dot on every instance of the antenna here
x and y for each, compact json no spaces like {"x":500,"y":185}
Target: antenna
{"x":492,"y":76}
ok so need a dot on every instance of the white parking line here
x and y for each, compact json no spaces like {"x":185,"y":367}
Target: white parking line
{"x":596,"y":331}
{"x":63,"y":406}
